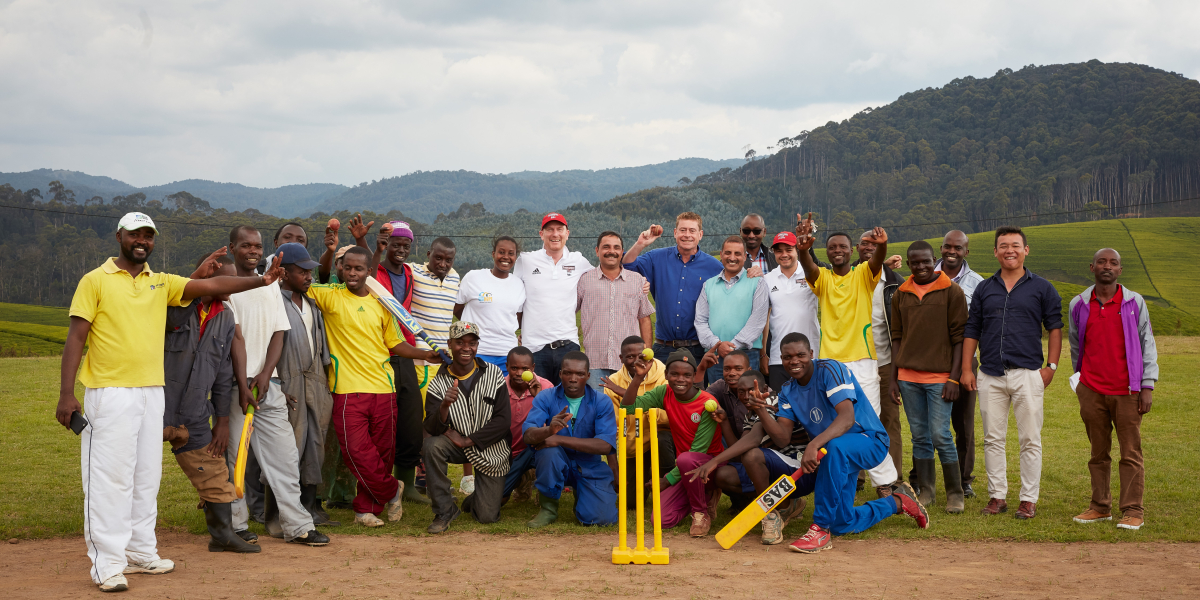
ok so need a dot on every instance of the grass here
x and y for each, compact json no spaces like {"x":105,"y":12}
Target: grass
{"x":48,"y":333}
{"x":21,"y":345}
{"x":28,"y":313}
{"x":42,"y":462}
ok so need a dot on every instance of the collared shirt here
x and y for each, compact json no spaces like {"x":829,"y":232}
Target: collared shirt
{"x":550,"y":296}
{"x":750,"y":333}
{"x":675,"y":286}
{"x":1102,"y":364}
{"x":609,"y":310}
{"x":129,"y":321}
{"x":521,"y":403}
{"x":793,"y":308}
{"x":433,"y":303}
{"x":966,"y":279}
{"x":1008,"y":323}
{"x":759,"y":259}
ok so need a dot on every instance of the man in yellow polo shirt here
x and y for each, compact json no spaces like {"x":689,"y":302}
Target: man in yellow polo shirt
{"x":362,"y":337}
{"x":120,"y":313}
{"x":845,"y":293}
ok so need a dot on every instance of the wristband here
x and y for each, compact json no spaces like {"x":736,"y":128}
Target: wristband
{"x":953,"y":381}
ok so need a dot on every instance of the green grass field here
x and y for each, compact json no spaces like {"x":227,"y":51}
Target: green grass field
{"x":43,"y":497}
{"x":27,"y":330}
{"x":41,"y":315}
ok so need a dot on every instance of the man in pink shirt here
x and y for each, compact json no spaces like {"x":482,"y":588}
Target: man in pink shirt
{"x":520,"y":396}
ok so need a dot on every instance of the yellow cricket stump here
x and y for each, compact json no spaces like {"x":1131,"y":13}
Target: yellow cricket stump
{"x":623,"y":554}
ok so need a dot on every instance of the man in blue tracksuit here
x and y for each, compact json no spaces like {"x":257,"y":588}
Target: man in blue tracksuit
{"x":825,"y":398}
{"x":571,"y":428}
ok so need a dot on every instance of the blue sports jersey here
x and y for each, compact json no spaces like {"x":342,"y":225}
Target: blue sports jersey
{"x":812,"y":405}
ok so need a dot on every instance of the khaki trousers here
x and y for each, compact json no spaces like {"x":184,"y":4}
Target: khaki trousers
{"x":1022,"y":390}
{"x":1100,"y":415}
{"x":209,"y":475}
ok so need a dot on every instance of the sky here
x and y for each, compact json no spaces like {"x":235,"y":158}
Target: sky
{"x":277,"y":92}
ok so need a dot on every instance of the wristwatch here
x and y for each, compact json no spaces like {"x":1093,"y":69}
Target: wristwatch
{"x":1053,"y":366}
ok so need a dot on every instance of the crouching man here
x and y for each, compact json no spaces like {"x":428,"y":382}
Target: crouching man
{"x":571,"y":428}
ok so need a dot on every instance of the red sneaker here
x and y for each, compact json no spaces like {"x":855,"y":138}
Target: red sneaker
{"x":814,"y":541}
{"x":911,"y":507}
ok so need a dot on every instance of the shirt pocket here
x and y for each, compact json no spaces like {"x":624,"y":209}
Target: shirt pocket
{"x":176,"y":346}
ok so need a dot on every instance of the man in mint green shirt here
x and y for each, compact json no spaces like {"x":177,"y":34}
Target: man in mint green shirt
{"x":731,"y":312}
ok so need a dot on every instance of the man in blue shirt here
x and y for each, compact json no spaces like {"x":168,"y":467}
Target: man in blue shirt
{"x":825,"y":398}
{"x":676,"y":276}
{"x":1005,"y":320}
{"x":571,"y":428}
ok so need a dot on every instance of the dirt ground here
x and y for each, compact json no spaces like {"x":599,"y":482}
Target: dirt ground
{"x":471,"y":565}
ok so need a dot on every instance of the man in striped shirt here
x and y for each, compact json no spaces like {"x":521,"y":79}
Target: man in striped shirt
{"x":435,"y":288}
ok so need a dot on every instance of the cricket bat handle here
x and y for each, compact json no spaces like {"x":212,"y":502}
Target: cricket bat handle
{"x":800,"y":472}
{"x":425,"y":338}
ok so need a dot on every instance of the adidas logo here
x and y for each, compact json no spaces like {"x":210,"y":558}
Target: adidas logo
{"x":361,"y":309}
{"x":774,"y":288}
{"x":537,"y":272}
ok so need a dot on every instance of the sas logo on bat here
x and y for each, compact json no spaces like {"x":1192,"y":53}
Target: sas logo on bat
{"x":485,"y":297}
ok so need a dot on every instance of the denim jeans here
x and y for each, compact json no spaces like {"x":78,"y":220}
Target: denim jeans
{"x":520,"y":463}
{"x":714,"y":372}
{"x":929,"y":421}
{"x":597,"y":375}
{"x":547,"y":362}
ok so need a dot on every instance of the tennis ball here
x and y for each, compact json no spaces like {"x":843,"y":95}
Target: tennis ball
{"x":527,"y":376}
{"x":711,"y":405}
{"x":648,"y":355}
{"x":334,"y":224}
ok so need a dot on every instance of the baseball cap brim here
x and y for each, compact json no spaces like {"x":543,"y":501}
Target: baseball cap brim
{"x":309,"y":264}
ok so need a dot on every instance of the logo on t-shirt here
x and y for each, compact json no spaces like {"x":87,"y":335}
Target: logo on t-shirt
{"x":695,"y":417}
{"x":774,"y":288}
{"x":568,"y":268}
{"x":536,"y":272}
{"x":361,"y":309}
{"x":485,"y":297}
{"x":815,"y":415}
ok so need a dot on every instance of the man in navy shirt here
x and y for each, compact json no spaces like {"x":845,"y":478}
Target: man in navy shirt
{"x":676,"y":276}
{"x":1005,"y":321}
{"x":825,"y":398}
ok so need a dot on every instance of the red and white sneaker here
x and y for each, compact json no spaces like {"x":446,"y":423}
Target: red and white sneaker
{"x":814,"y":541}
{"x":911,"y":506}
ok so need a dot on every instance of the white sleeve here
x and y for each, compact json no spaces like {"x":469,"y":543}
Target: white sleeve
{"x":282,"y":323}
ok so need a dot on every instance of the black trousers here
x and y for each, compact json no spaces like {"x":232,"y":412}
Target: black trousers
{"x":409,"y":413}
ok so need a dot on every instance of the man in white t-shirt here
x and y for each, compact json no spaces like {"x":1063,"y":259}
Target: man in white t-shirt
{"x":262,"y":320}
{"x":793,"y":305}
{"x":550,"y":276}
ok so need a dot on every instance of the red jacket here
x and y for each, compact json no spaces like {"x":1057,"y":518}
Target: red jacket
{"x":381,"y":275}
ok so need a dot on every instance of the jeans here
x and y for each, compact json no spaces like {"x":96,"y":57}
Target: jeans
{"x":597,"y":375}
{"x":547,"y":362}
{"x":520,"y":463}
{"x":714,"y":372}
{"x":928,"y":421}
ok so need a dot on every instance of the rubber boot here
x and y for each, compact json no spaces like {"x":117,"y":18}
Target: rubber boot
{"x":409,"y":477}
{"x":952,"y":476}
{"x":548,"y":514}
{"x":310,"y":501}
{"x":219,"y":518}
{"x":271,"y":513}
{"x":926,"y":473}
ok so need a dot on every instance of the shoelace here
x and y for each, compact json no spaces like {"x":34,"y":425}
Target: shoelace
{"x":813,"y":534}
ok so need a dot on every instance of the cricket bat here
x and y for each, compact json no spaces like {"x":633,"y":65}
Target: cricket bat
{"x":765,"y":503}
{"x":239,"y":468}
{"x":406,"y":319}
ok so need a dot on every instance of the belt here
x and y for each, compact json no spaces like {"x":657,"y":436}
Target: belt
{"x":680,"y":343}
{"x":555,"y":345}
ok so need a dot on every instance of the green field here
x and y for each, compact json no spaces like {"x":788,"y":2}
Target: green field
{"x":42,"y":461}
{"x":32,"y":330}
{"x":41,"y":315}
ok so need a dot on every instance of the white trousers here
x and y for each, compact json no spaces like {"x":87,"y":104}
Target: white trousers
{"x":1022,"y":389}
{"x":274,"y":445}
{"x":866,"y":371}
{"x":121,"y":462}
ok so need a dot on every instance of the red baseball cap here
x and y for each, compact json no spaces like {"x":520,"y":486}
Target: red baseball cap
{"x":552,"y":217}
{"x":784,"y":237}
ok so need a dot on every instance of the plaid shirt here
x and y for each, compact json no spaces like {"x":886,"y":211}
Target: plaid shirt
{"x":760,"y":259}
{"x":609,"y":312}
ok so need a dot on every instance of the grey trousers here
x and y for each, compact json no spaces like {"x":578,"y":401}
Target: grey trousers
{"x":274,"y":445}
{"x":438,"y":451}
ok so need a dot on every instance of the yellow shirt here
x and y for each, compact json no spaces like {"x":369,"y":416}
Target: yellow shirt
{"x":845,"y":303}
{"x":129,"y":324}
{"x":361,"y":333}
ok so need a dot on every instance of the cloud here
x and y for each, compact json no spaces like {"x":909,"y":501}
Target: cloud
{"x":275,"y":92}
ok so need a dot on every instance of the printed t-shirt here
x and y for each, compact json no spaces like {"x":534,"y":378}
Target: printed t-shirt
{"x":692,"y":428}
{"x":129,"y":321}
{"x":846,"y":312}
{"x":492,"y":304}
{"x":793,"y":308}
{"x":261,"y":313}
{"x":360,"y":333}
{"x":813,"y":405}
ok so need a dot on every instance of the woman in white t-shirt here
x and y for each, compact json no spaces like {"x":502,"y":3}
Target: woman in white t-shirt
{"x":494,"y":299}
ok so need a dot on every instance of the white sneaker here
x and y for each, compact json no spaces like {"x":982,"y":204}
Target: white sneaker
{"x":116,"y":583}
{"x":467,"y":485}
{"x":368,"y":520}
{"x":394,"y":509}
{"x":154,"y":567}
{"x":772,"y":529}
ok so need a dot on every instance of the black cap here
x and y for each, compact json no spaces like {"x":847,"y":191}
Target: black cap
{"x":681,"y":355}
{"x":296,"y":254}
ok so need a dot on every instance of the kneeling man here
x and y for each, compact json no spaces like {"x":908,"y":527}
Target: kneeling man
{"x":571,"y":428}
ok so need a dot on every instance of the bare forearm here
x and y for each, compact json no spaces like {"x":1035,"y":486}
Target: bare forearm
{"x":72,"y":356}
{"x":584,"y":445}
{"x":968,"y":349}
{"x":646,"y":330}
{"x":811,"y":270}
{"x":1054,"y":346}
{"x":237,"y":353}
{"x":633,"y":252}
{"x":955,"y":361}
{"x":324,"y":264}
{"x":536,"y":435}
{"x":217,"y":286}
{"x":274,"y":351}
{"x":877,"y":259}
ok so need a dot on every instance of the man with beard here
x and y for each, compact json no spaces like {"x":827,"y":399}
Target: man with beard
{"x":731,"y":311}
{"x":122,"y":444}
{"x":753,"y":230}
{"x":570,"y":427}
{"x":611,"y":308}
{"x":955,"y":248}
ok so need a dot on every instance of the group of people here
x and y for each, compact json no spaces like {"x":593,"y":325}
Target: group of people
{"x":807,"y":362}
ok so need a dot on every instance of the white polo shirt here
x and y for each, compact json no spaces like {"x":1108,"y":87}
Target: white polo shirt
{"x":793,"y":308}
{"x":550,"y":296}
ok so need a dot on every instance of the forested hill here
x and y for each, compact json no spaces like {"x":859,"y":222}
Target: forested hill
{"x":1036,"y":146}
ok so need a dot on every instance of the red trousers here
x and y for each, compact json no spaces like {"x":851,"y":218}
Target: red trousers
{"x":366,"y":430}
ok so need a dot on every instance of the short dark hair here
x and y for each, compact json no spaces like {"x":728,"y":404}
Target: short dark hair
{"x":224,"y":260}
{"x":734,"y":238}
{"x":633,"y":339}
{"x":577,"y":355}
{"x":505,"y":238}
{"x":756,"y":375}
{"x":794,"y":337}
{"x":520,"y":351}
{"x":741,"y":353}
{"x":442,"y":241}
{"x":233,"y":233}
{"x":830,"y":237}
{"x":1009,"y":230}
{"x":280,"y":230}
{"x":605,"y":234}
{"x":919,"y":245}
{"x":359,"y":250}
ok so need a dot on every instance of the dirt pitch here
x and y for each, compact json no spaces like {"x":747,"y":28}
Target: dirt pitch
{"x":471,"y":565}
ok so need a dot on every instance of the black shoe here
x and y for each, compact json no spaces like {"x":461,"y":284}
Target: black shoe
{"x":249,"y":536}
{"x":311,"y":503}
{"x":442,"y":522}
{"x":219,"y":518}
{"x":312,"y":538}
{"x":967,"y":491}
{"x":337,"y":505}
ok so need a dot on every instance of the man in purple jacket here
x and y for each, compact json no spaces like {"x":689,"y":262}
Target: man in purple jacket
{"x":1116,"y":365}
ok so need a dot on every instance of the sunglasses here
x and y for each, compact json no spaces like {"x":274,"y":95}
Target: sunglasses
{"x":749,"y":231}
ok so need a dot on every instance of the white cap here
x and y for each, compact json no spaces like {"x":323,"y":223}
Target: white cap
{"x":136,"y":220}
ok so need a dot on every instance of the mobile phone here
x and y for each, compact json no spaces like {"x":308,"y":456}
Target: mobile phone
{"x":78,"y":422}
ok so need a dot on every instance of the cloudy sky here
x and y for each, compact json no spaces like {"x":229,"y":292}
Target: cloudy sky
{"x":274,"y":92}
